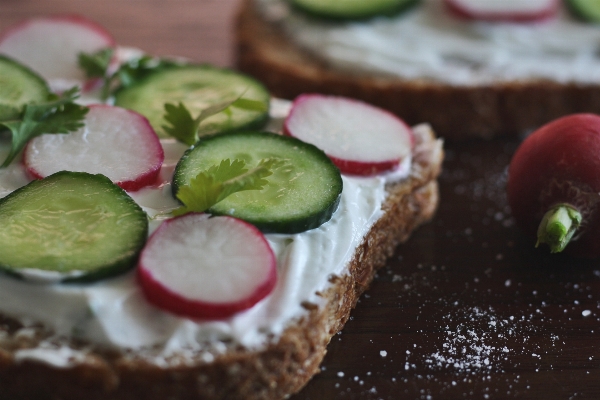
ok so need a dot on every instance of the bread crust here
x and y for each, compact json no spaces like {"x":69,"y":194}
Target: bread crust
{"x":455,"y":112}
{"x":283,"y":367}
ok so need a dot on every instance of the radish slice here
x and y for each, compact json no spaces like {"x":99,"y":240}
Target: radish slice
{"x":206,"y":268}
{"x":115,"y":142}
{"x":508,"y":10}
{"x":51,"y":45}
{"x":359,"y":138}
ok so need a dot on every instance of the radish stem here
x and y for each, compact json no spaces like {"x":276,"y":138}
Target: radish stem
{"x":558,"y":226}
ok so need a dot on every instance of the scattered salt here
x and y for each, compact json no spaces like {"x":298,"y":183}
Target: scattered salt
{"x":383,"y":353}
{"x":586,"y":313}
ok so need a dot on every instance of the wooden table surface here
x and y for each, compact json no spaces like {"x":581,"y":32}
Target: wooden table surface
{"x":468,"y":309}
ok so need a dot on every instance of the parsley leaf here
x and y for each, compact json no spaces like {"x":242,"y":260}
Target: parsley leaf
{"x":219,"y":181}
{"x":56,"y":115}
{"x":185,"y":128}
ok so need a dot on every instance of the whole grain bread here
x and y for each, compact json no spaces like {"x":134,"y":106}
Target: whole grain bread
{"x":455,"y":112}
{"x":279,"y":369}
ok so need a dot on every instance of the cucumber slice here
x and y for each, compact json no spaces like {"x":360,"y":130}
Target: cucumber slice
{"x":18,"y":86}
{"x":588,"y":10}
{"x":197,"y":87}
{"x":71,"y":226}
{"x":300,"y":196}
{"x":353,"y":9}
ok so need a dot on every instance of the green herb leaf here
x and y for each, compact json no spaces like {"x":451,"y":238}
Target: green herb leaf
{"x":96,"y":65}
{"x":219,"y":181}
{"x":224,"y":107}
{"x":187,"y":129}
{"x":8,"y":112}
{"x":249,"y":105}
{"x":137,"y":69}
{"x":182,"y":126}
{"x":56,"y":115}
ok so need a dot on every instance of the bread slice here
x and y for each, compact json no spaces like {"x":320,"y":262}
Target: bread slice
{"x":283,"y":366}
{"x":265,"y":51}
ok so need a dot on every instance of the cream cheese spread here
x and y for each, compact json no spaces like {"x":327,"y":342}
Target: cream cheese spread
{"x":114,"y":313}
{"x":428,"y":42}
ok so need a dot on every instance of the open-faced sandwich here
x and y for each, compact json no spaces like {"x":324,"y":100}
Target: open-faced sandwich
{"x":170,"y":231}
{"x":467,"y":67}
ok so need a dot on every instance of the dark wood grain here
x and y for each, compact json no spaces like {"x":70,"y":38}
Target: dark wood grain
{"x":468,"y":309}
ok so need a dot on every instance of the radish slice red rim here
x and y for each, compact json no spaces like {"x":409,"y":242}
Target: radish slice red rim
{"x":508,"y":10}
{"x":115,"y":142}
{"x":205,"y":267}
{"x":359,"y":138}
{"x":51,"y":45}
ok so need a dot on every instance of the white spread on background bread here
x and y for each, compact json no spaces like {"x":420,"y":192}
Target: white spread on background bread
{"x":114,"y":313}
{"x":428,"y":42}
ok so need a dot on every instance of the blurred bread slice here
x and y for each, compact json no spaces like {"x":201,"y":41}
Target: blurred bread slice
{"x":455,"y":112}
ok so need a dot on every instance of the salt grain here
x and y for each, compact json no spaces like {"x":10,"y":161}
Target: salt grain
{"x":586,"y":313}
{"x":383,"y":353}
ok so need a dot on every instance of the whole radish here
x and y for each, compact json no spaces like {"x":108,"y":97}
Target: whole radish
{"x":554,"y":185}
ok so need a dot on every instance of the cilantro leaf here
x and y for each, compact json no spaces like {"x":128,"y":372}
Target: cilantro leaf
{"x":137,"y":69}
{"x":185,"y":128}
{"x":219,"y":181}
{"x":8,"y":112}
{"x":56,"y":115}
{"x":96,"y":65}
{"x":249,"y":105}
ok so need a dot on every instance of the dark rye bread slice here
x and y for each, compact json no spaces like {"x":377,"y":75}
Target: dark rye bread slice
{"x":454,"y":112}
{"x":282,"y":367}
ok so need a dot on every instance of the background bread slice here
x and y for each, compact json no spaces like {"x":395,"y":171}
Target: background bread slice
{"x":455,"y":112}
{"x":284,"y":366}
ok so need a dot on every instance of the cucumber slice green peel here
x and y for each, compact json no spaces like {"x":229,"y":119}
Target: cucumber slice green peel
{"x":353,"y":9}
{"x":18,"y":86}
{"x":197,"y":87}
{"x":300,"y":195}
{"x":70,"y":226}
{"x":588,"y":10}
